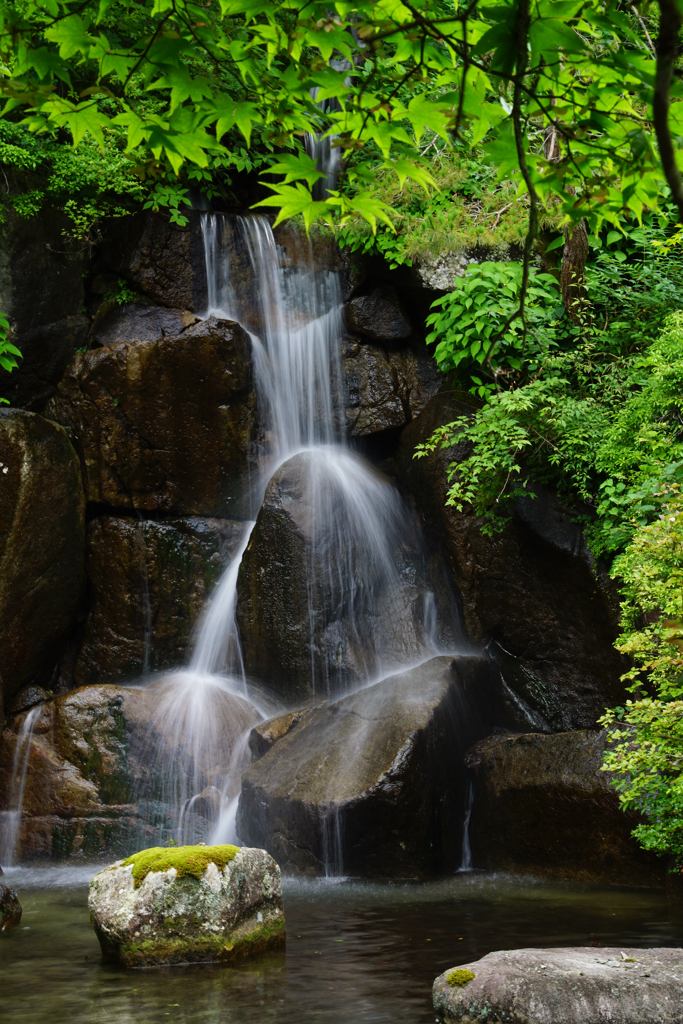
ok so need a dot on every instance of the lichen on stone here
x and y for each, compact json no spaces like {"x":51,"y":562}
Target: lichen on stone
{"x":187,"y":860}
{"x":460,"y":977}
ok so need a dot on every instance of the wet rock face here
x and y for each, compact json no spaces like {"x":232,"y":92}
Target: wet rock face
{"x":148,"y":584}
{"x":530,"y":592}
{"x":543,"y":806}
{"x":10,"y":908}
{"x":378,"y":316}
{"x":163,"y":425}
{"x":41,"y":291}
{"x":165,"y":261}
{"x":578,"y":985}
{"x":42,"y":546}
{"x":226,"y":914}
{"x":372,"y":784}
{"x":137,"y":321}
{"x":99,"y":757}
{"x":385,"y":389}
{"x":302,"y":632}
{"x":79,"y":790}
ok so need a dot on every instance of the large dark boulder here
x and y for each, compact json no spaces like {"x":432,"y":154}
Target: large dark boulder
{"x":532,"y":592}
{"x":385,"y":389}
{"x":42,"y":546}
{"x":543,"y":806}
{"x":379,"y":316}
{"x":41,"y":291}
{"x":322,"y":599}
{"x":163,"y":425}
{"x":373,"y":784}
{"x":148,"y":584}
{"x":108,"y":766}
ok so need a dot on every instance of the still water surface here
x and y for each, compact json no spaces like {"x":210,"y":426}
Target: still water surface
{"x":357,"y":952}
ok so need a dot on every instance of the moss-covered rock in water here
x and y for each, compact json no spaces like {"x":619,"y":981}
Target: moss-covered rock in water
{"x":10,"y":908}
{"x":189,"y":904}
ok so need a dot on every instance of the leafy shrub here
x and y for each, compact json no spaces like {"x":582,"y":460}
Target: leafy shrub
{"x":474,"y":323}
{"x":646,"y":735}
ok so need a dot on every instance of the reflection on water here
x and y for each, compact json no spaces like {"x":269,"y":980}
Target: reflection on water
{"x":356,"y":951}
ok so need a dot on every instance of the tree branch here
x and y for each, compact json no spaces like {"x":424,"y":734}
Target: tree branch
{"x":670,"y":20}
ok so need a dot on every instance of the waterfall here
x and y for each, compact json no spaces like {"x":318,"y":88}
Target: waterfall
{"x":466,"y":855}
{"x":363,"y":536}
{"x":10,"y":820}
{"x":364,"y":551}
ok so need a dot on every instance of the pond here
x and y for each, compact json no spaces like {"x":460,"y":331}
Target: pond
{"x":357,"y":952}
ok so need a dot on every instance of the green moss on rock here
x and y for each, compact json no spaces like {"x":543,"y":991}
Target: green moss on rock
{"x":187,"y":860}
{"x":460,"y":977}
{"x":200,"y":949}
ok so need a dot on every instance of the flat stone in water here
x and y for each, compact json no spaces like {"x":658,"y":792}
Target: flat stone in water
{"x":170,"y":916}
{"x":577,"y":985}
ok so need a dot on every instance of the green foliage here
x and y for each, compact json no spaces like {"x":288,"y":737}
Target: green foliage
{"x":86,"y":181}
{"x":187,"y":860}
{"x":476,"y":323}
{"x":183,"y":81}
{"x":646,"y":735}
{"x":464,"y":208}
{"x":9,"y":353}
{"x":597,"y":412}
{"x":593,"y":410}
{"x":539,"y":428}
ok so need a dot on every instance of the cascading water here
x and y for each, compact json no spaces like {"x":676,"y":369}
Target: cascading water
{"x":10,"y":820}
{"x":369,"y":610}
{"x":363,"y":543}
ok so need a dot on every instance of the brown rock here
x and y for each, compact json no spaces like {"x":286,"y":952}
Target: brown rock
{"x":531,"y":592}
{"x":372,"y":784}
{"x":263,"y":735}
{"x":163,"y":425}
{"x":543,"y":806}
{"x":149,"y":582}
{"x":42,"y":546}
{"x":98,"y":759}
{"x":302,"y":632}
{"x":385,"y":389}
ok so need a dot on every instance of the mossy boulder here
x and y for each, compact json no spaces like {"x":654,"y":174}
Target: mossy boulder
{"x":188,"y":904}
{"x":576,"y":985}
